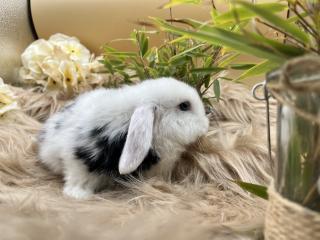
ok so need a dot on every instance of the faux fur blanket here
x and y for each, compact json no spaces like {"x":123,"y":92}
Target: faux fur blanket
{"x":201,"y":201}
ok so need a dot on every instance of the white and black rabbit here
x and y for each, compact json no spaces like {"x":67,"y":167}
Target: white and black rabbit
{"x":106,"y":133}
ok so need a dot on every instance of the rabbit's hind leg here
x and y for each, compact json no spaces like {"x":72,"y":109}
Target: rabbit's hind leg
{"x":79,"y":182}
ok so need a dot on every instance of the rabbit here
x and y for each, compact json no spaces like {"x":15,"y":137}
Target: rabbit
{"x":109,"y":133}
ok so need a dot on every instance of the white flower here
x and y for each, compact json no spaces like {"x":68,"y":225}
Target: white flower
{"x":72,"y":47}
{"x":34,"y":55}
{"x":69,"y":72}
{"x":50,"y":67}
{"x":62,"y":62}
{"x":7,"y":99}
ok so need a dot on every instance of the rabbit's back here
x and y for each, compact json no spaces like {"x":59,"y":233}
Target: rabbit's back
{"x":71,"y":127}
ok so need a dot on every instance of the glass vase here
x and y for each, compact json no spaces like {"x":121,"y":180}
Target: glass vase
{"x":296,"y":86}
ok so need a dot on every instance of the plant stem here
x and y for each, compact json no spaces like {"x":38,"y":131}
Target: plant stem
{"x":309,"y":28}
{"x":213,"y":5}
{"x":288,"y":16}
{"x":171,"y":36}
{"x":279,"y":30}
{"x":313,"y":192}
{"x":306,"y":25}
{"x":141,"y":58}
{"x":204,"y":91}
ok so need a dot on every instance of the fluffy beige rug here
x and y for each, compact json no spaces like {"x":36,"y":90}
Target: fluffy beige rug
{"x":201,"y":201}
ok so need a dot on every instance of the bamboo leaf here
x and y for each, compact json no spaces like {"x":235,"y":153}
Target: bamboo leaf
{"x":214,"y":15}
{"x":225,"y":78}
{"x":243,"y":13}
{"x":108,"y":65}
{"x":181,"y":59}
{"x":122,"y":54}
{"x":143,"y":42}
{"x":242,"y":66}
{"x":123,"y":39}
{"x":145,"y":46}
{"x":178,"y":40}
{"x":174,"y":3}
{"x":218,"y":36}
{"x":275,"y":20}
{"x":207,"y":70}
{"x":258,"y":190}
{"x":284,"y":49}
{"x":296,"y":18}
{"x":228,"y":59}
{"x":208,"y":61}
{"x":258,"y":69}
{"x":216,"y":89}
{"x":185,"y":52}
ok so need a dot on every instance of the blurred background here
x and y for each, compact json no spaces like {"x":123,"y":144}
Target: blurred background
{"x":94,"y":22}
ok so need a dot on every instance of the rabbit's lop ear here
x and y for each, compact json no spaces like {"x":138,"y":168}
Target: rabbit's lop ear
{"x":139,"y":139}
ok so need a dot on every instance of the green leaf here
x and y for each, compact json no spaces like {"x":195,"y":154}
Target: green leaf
{"x":214,"y":15}
{"x":143,"y":42}
{"x":185,"y":52}
{"x":296,"y":18}
{"x":179,"y":60}
{"x":123,"y":39}
{"x":108,"y":49}
{"x":207,"y":81}
{"x":258,"y":69}
{"x":174,"y":3}
{"x":225,"y":78}
{"x":145,"y":46}
{"x":122,"y":54}
{"x":258,"y":190}
{"x":207,"y":70}
{"x":275,"y":20}
{"x":282,"y":49}
{"x":108,"y":65}
{"x":152,"y":55}
{"x":116,"y":62}
{"x":223,"y":37}
{"x":242,"y":13}
{"x":216,"y":89}
{"x":178,"y":40}
{"x":241,"y":66}
{"x":208,"y":61}
{"x":207,"y":101}
{"x":228,"y":59}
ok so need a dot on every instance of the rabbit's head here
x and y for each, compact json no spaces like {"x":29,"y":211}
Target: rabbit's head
{"x":170,"y":115}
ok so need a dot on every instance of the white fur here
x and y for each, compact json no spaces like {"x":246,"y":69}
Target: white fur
{"x":139,"y":139}
{"x":173,"y":129}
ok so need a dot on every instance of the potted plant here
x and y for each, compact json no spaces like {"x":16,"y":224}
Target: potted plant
{"x":294,"y":205}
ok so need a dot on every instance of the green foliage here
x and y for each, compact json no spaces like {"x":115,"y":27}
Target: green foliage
{"x":198,"y":52}
{"x":220,"y":37}
{"x":289,"y":35}
{"x":238,"y":29}
{"x":173,"y":3}
{"x":191,"y":61}
{"x":258,"y":190}
{"x":242,"y":13}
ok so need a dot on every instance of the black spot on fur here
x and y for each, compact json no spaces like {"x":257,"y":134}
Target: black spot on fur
{"x":57,"y":125}
{"x":103,"y":157}
{"x":41,"y":135}
{"x":151,"y":159}
{"x":96,"y":132}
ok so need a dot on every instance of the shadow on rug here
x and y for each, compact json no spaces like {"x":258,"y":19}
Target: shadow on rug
{"x":200,"y":202}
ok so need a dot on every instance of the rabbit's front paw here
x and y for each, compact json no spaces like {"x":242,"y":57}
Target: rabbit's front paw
{"x":77,"y":192}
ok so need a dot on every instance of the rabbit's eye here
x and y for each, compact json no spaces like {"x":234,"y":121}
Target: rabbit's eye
{"x":185,"y":106}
